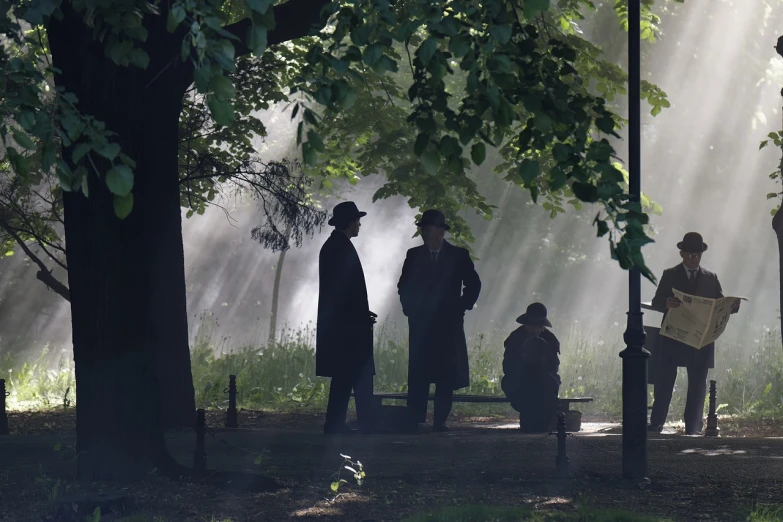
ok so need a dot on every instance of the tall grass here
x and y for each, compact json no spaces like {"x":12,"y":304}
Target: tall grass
{"x":282,"y":374}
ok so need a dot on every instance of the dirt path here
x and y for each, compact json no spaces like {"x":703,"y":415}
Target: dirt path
{"x":692,"y":478}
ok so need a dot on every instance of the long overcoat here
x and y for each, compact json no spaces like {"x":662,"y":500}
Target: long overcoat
{"x":704,"y":284}
{"x":434,"y":297}
{"x":344,"y":338}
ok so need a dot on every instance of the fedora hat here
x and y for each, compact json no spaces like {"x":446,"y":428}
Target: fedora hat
{"x":344,"y":213}
{"x":434,"y":218}
{"x":535,"y":315}
{"x":692,"y":242}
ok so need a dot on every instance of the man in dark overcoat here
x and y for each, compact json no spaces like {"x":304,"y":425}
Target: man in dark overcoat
{"x":438,"y":284}
{"x":691,"y":278}
{"x":344,"y":337}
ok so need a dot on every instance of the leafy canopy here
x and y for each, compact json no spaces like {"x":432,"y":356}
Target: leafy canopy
{"x":515,"y":66}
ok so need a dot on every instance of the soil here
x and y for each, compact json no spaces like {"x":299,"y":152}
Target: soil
{"x":482,"y":460}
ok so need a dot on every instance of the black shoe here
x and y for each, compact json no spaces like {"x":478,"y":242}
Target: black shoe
{"x":655,"y":428}
{"x":441,"y":427}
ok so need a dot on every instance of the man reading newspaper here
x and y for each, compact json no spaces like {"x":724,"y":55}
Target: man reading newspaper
{"x":687,"y":339}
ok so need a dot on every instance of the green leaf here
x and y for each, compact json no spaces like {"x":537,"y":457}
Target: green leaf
{"x":459,"y":45}
{"x":384,"y":64}
{"x":772,"y":195}
{"x":501,"y":33}
{"x":119,"y":179}
{"x":315,"y":141}
{"x":763,"y":144}
{"x":603,"y":228}
{"x":529,"y":170}
{"x":478,"y":153}
{"x":23,"y":140}
{"x":427,"y":50}
{"x":260,"y":6}
{"x":372,"y":53}
{"x":350,"y":98}
{"x":422,"y":140}
{"x":257,"y":460}
{"x":221,"y":111}
{"x":140,"y":58}
{"x":123,"y":205}
{"x":335,"y":486}
{"x":605,"y":124}
{"x":109,"y":151}
{"x":58,"y":446}
{"x":175,"y":17}
{"x":535,"y":7}
{"x":222,"y":86}
{"x":309,"y":154}
{"x":256,"y":39}
{"x":430,"y":159}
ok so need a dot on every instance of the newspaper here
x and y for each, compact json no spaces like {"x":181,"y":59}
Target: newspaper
{"x":698,"y":321}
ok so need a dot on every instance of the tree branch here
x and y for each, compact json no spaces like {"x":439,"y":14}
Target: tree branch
{"x":44,"y":274}
{"x":293,"y":19}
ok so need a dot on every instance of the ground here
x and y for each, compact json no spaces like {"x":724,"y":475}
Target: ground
{"x":482,"y":461}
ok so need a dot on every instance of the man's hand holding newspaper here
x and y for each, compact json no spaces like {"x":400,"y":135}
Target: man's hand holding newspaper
{"x":697,"y":321}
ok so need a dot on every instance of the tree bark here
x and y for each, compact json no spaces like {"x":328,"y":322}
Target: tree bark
{"x":777,"y":226}
{"x":126,"y":277}
{"x":276,"y":291}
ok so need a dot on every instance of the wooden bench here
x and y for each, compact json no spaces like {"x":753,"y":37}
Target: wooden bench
{"x":565,"y":404}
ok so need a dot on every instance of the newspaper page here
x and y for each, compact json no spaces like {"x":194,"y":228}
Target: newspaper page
{"x":698,"y":321}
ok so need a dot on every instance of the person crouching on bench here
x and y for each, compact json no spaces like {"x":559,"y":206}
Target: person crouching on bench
{"x":530,"y":366}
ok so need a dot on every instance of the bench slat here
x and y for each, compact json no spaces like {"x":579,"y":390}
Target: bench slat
{"x":470,"y":398}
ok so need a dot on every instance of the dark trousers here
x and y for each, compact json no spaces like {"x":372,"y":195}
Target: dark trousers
{"x":418,"y":395}
{"x":697,"y":392}
{"x":535,"y":398}
{"x":340,"y":393}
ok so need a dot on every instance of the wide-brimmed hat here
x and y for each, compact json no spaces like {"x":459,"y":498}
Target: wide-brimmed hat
{"x":344,"y":213}
{"x":535,"y":315}
{"x":693,"y":243}
{"x":434,"y":218}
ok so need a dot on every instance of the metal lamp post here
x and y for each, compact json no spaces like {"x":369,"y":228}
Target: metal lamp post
{"x":634,"y":356}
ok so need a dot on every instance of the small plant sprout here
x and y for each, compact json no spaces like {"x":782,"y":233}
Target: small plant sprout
{"x":354,"y":467}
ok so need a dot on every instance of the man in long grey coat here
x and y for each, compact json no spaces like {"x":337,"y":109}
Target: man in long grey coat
{"x":691,"y":278}
{"x":432,"y":296}
{"x":344,"y":339}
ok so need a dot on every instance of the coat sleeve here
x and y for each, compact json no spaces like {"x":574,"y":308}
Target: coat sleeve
{"x":402,"y":285}
{"x":471,"y":282}
{"x":663,"y":292}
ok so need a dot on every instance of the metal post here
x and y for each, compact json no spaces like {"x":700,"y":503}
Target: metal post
{"x":3,"y":414}
{"x":561,"y":461}
{"x":634,"y":356}
{"x":712,"y":418}
{"x":231,"y":414}
{"x":200,"y":454}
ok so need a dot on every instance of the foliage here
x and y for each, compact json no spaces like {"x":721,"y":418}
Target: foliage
{"x":777,"y":139}
{"x":545,"y":118}
{"x":282,"y":375}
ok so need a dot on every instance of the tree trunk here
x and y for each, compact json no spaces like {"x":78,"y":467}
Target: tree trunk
{"x":126,"y":277}
{"x":777,"y":225}
{"x":276,"y":291}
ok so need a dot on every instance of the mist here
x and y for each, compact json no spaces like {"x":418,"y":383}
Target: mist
{"x":700,"y":161}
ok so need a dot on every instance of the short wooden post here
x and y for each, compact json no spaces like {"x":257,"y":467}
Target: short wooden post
{"x":562,"y":461}
{"x":3,"y":414}
{"x":200,"y":454}
{"x":712,"y":418}
{"x":231,"y":414}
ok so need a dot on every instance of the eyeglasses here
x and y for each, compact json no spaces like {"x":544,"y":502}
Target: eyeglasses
{"x":692,"y":255}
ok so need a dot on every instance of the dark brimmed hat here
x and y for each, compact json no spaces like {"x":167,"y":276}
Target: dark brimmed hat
{"x":535,"y":315}
{"x":344,"y":213}
{"x":693,"y":243}
{"x":433,"y":218}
